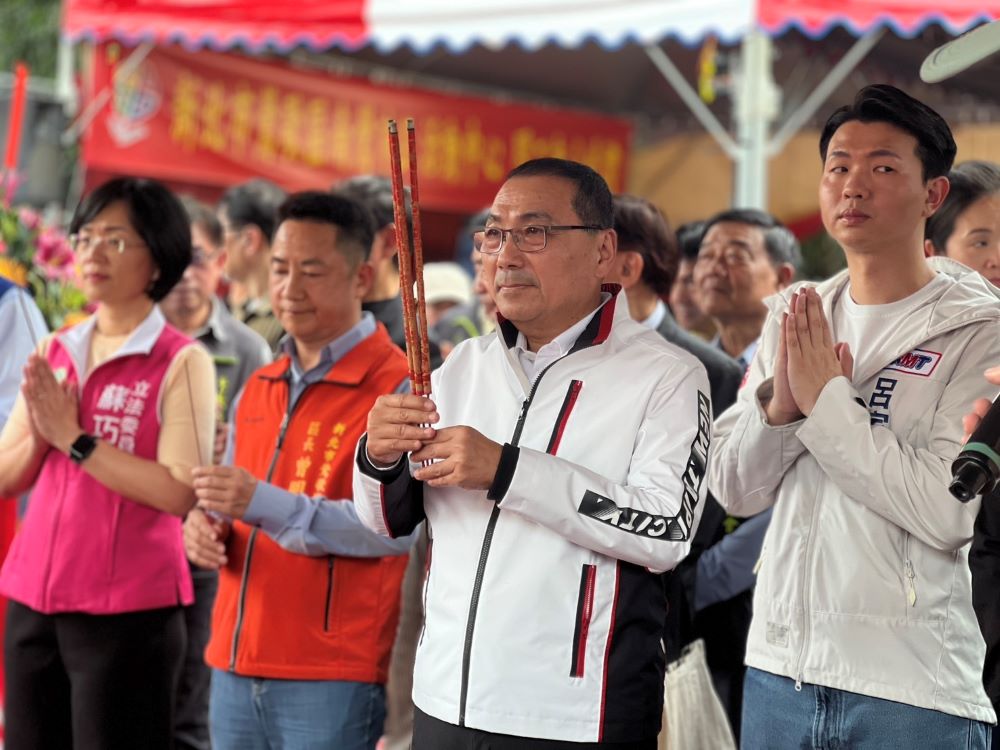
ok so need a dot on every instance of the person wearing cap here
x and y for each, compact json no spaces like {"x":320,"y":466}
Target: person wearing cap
{"x":446,"y":286}
{"x":478,"y":316}
{"x":863,"y":632}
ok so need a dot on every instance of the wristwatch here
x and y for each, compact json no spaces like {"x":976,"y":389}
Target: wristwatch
{"x":82,"y":447}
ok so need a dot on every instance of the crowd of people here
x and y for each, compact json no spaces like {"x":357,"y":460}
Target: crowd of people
{"x":666,"y":494}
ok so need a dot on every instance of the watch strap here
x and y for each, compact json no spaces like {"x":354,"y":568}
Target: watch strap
{"x":81,"y":448}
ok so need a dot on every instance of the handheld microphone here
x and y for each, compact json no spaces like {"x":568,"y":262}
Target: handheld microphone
{"x":977,"y":468}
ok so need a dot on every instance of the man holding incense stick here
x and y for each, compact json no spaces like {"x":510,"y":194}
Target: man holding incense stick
{"x":565,"y":454}
{"x":308,"y":597}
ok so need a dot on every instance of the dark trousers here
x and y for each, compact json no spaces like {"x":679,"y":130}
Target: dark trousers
{"x":91,"y":682}
{"x":433,"y":734}
{"x":191,"y":709}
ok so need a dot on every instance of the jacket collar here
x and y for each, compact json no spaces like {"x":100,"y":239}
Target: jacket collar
{"x":609,"y":315}
{"x":597,"y":330}
{"x":349,"y":369}
{"x":968,"y":298}
{"x":76,"y":340}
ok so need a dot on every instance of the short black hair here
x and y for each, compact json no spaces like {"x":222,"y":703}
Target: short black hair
{"x":881,"y":102}
{"x":970,"y":181}
{"x":642,"y":228}
{"x":157,"y":217}
{"x":779,"y":242}
{"x":354,"y":222}
{"x":374,"y":192}
{"x":592,"y":202}
{"x":689,"y":239}
{"x":255,"y":202}
{"x":201,"y":215}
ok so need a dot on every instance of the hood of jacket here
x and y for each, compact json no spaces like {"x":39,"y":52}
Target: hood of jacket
{"x":969,"y":297}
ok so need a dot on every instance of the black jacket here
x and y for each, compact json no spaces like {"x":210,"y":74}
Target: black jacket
{"x":723,"y":626}
{"x":984,"y":560}
{"x":724,"y":372}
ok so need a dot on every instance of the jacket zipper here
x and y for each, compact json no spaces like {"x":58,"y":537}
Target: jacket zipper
{"x":584,"y":611}
{"x":427,"y":583}
{"x":910,"y":573}
{"x":241,"y":602}
{"x":572,"y":394}
{"x":805,"y":606}
{"x":329,"y":594}
{"x":485,"y":552}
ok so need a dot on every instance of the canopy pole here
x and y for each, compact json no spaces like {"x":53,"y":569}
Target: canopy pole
{"x":756,"y":100}
{"x":822,"y":92}
{"x":65,"y":87}
{"x":704,"y":115}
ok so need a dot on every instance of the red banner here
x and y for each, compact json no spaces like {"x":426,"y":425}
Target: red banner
{"x":218,"y":119}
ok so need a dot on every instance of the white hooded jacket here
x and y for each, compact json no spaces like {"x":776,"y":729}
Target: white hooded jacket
{"x":543,"y":615}
{"x":863,"y":581}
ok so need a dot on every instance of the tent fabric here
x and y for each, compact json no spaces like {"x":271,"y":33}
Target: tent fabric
{"x":907,"y":18}
{"x":425,"y":25}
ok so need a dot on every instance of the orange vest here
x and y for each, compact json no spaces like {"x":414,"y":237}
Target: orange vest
{"x":288,"y":616}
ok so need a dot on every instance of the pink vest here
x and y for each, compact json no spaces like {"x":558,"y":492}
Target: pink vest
{"x":82,"y":547}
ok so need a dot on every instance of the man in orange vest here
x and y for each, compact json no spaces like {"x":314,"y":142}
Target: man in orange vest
{"x":308,"y":598}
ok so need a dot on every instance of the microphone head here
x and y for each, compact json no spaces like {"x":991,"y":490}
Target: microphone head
{"x":957,"y":55}
{"x":969,"y":478}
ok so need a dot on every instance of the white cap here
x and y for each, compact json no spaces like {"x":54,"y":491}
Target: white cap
{"x":446,"y":282}
{"x":958,"y":54}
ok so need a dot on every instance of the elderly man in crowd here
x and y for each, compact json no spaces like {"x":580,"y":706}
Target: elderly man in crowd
{"x":560,"y":470}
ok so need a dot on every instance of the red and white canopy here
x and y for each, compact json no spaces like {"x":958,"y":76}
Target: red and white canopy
{"x":423,"y":25}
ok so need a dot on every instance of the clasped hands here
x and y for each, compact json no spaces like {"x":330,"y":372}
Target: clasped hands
{"x":459,"y":456}
{"x":52,"y":406}
{"x":807,"y":359}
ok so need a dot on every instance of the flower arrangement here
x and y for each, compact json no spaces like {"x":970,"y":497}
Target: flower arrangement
{"x":39,"y":258}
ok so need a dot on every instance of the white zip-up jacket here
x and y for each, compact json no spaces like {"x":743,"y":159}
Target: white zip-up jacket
{"x":543,"y":617}
{"x":864,"y":582}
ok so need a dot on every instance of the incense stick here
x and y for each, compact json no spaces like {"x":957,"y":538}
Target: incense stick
{"x":413,"y":353}
{"x":418,"y":257}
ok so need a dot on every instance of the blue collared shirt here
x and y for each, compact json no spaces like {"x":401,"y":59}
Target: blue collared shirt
{"x":746,"y":356}
{"x":316,"y":526}
{"x":656,"y":317}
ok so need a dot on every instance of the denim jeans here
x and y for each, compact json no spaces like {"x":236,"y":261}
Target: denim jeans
{"x":776,"y":716}
{"x":250,"y":713}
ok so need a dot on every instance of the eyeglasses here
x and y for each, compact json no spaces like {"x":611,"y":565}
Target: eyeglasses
{"x":82,"y":243}
{"x":231,"y":232}
{"x":731,"y":258}
{"x":529,"y":239}
{"x":201,"y":257}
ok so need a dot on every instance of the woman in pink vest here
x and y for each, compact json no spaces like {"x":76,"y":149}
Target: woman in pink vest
{"x":113,"y":414}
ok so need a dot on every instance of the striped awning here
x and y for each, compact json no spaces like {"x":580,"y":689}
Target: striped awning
{"x":426,"y":25}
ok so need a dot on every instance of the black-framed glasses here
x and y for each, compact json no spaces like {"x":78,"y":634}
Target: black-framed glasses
{"x":529,"y":239}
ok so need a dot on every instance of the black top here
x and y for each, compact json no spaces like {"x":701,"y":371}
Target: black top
{"x":984,"y":560}
{"x":389,"y":312}
{"x":724,"y":372}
